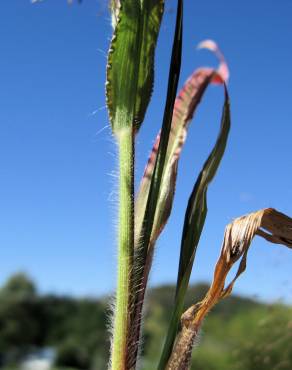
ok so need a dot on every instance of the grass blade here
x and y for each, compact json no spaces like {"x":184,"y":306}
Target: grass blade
{"x":185,"y":106}
{"x":151,"y":203}
{"x":193,"y":226}
{"x":147,"y":217}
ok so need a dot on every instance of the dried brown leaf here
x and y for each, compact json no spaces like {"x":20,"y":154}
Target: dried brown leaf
{"x":268,"y":223}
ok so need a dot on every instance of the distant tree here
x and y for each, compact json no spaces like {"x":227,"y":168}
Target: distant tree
{"x":19,"y":324}
{"x":18,"y":286}
{"x":76,"y":328}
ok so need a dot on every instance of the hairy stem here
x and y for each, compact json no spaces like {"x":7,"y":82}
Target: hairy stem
{"x":182,"y":354}
{"x":124,"y":295}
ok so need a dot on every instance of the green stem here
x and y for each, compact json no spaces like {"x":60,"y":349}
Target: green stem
{"x":124,"y":295}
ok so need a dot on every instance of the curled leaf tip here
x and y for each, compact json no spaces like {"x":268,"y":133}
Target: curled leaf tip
{"x":268,"y":223}
{"x":222,"y":72}
{"x":208,"y":44}
{"x":238,"y":236}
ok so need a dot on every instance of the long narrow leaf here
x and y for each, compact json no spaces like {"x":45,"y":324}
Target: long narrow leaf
{"x":197,"y":206}
{"x":145,"y":216}
{"x":193,"y":226}
{"x":152,"y":196}
{"x":184,"y":109}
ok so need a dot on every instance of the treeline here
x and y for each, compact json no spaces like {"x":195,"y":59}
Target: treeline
{"x":75,"y":328}
{"x":240,"y":334}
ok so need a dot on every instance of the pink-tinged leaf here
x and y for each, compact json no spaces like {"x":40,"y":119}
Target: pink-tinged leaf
{"x":222,"y":73}
{"x":184,"y":109}
{"x":185,"y":106}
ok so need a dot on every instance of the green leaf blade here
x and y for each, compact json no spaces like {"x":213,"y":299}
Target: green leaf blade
{"x":193,"y":225}
{"x":197,"y":206}
{"x":130,"y":69}
{"x":141,"y":267}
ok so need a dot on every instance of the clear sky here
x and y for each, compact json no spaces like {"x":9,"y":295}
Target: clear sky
{"x":58,"y":165}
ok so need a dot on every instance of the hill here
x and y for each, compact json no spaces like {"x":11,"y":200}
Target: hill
{"x":239,"y":334}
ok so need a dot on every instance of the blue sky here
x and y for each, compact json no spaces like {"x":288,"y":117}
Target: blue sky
{"x":58,"y":163}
